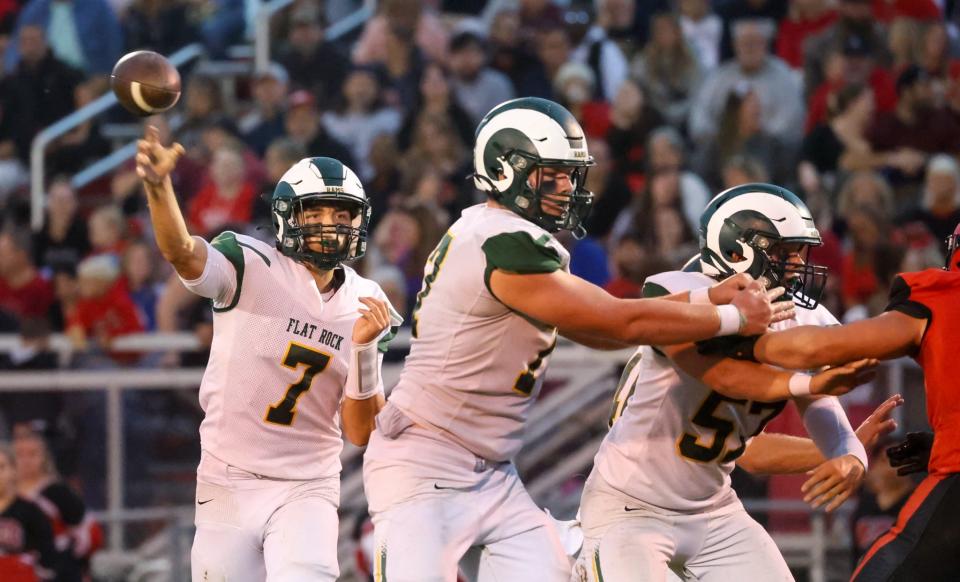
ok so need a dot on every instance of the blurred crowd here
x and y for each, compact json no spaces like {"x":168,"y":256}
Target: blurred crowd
{"x":853,"y":104}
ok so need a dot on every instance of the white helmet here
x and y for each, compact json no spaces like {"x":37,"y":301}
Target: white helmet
{"x":740,"y":225}
{"x":319,"y":180}
{"x":523,"y":136}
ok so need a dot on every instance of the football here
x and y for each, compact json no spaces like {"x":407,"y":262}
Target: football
{"x":145,"y":83}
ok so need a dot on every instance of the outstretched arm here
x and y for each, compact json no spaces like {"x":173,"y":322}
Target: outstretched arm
{"x":889,"y":335}
{"x":578,"y":307}
{"x":752,"y":381}
{"x":187,"y":254}
{"x":718,"y":294}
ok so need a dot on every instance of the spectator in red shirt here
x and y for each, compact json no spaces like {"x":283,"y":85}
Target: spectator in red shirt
{"x":107,"y":229}
{"x":632,"y":119}
{"x":871,"y":261}
{"x":857,"y":65}
{"x":23,"y":291}
{"x":806,"y":18}
{"x":917,"y":127}
{"x":104,"y":310}
{"x":855,"y":18}
{"x":573,"y":87}
{"x":225,"y":198}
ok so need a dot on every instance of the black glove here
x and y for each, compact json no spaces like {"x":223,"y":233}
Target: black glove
{"x":912,"y":455}
{"x":730,"y":346}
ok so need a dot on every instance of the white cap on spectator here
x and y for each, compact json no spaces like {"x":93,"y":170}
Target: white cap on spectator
{"x":472,"y":26}
{"x":276,"y":72}
{"x":572,"y":71}
{"x":100,"y":267}
{"x":942,"y":164}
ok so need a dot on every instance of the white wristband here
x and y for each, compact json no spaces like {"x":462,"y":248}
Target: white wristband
{"x":799,"y":384}
{"x":700,"y":295}
{"x":730,"y":320}
{"x":363,"y":375}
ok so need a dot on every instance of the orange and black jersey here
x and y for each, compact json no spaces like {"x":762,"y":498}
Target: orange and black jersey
{"x":934,"y":295}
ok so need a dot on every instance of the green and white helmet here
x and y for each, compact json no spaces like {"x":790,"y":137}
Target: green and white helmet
{"x":311,"y":182}
{"x":740,"y":226}
{"x":523,"y":136}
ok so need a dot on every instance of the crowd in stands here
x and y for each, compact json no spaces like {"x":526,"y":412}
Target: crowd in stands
{"x":853,"y":104}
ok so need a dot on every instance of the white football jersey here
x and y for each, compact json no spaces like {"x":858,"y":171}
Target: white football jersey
{"x":476,"y":366}
{"x":272,"y":388}
{"x":674,"y":440}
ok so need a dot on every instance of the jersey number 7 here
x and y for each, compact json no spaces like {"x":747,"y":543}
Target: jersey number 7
{"x":285,"y":411}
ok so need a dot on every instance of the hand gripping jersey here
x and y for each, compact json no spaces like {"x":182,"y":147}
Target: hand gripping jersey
{"x":476,"y":366}
{"x":272,"y":389}
{"x":934,"y":295}
{"x":674,"y":440}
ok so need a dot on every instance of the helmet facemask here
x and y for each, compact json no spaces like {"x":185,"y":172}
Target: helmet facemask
{"x":323,"y":246}
{"x":543,"y":204}
{"x":804,"y":283}
{"x":953,"y":250}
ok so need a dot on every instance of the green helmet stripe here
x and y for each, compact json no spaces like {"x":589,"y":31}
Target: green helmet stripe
{"x":554,"y":111}
{"x":331,"y":170}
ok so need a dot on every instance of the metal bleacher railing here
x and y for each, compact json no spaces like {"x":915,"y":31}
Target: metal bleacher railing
{"x":261,"y":51}
{"x":562,"y":436}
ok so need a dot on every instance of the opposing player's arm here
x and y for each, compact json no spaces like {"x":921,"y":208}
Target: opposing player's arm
{"x":889,"y":335}
{"x":155,"y":162}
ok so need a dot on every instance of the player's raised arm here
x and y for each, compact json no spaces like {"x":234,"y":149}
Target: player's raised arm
{"x":578,"y":307}
{"x":155,"y":162}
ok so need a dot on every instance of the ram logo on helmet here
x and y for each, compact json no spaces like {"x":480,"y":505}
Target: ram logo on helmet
{"x":520,"y":145}
{"x":743,"y":229}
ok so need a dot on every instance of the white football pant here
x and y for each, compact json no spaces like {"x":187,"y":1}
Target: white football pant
{"x":434,"y":503}
{"x":627,"y":541}
{"x":253,"y":528}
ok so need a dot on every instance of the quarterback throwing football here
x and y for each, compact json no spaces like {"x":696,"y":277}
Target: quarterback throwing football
{"x":295,"y":352}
